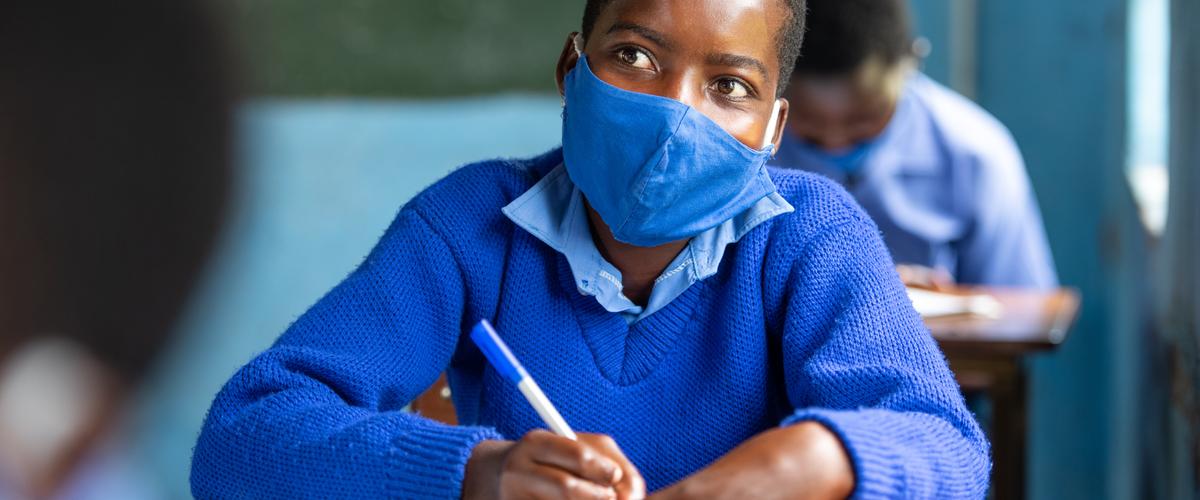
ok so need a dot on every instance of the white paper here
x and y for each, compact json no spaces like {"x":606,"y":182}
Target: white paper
{"x":930,"y":304}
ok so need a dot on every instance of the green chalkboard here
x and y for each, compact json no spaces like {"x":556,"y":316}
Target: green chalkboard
{"x":401,"y":48}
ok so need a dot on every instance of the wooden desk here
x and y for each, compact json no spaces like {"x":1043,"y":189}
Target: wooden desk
{"x":986,"y":357}
{"x":435,"y":403}
{"x":1032,"y":321}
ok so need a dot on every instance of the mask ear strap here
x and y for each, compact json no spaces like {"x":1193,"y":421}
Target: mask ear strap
{"x":771,"y":124}
{"x":577,"y":42}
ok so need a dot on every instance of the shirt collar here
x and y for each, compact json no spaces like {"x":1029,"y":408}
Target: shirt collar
{"x":553,"y":212}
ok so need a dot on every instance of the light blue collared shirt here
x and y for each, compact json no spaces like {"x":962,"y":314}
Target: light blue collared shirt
{"x":947,"y":187}
{"x":553,"y":211}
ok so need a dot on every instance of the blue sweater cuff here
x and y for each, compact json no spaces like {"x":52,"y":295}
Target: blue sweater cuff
{"x":430,"y":459}
{"x":878,"y":470}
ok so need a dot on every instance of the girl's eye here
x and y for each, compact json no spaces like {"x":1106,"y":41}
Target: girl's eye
{"x":635,"y":58}
{"x":731,"y":88}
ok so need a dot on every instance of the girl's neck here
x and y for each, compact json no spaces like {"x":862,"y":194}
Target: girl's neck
{"x":639,"y":266}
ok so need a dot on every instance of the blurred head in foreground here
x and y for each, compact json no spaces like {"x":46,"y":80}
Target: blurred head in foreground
{"x":115,"y":125}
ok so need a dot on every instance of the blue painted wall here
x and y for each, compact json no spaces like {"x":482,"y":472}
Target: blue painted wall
{"x":1054,"y":73}
{"x":931,"y":19}
{"x":1066,"y":107}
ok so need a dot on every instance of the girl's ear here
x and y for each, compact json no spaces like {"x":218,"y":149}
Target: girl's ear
{"x":566,"y":61}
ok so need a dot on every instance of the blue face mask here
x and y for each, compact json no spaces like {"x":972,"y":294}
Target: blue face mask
{"x":848,"y":161}
{"x":655,"y":169}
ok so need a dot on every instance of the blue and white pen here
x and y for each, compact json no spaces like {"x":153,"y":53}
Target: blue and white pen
{"x":504,"y":362}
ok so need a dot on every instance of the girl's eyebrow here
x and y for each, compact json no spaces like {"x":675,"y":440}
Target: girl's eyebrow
{"x":654,"y":36}
{"x":738,"y":61}
{"x":719,"y":59}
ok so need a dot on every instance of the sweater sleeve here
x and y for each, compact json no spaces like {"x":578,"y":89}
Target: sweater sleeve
{"x":319,"y":414}
{"x":858,"y":359}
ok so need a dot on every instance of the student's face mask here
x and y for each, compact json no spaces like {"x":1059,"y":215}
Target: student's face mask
{"x":656,"y":170}
{"x":848,"y":160}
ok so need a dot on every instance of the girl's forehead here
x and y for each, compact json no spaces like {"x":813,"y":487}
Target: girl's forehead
{"x":741,"y":26}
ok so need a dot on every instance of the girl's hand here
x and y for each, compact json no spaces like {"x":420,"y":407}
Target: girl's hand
{"x":545,"y":465}
{"x":929,"y":278}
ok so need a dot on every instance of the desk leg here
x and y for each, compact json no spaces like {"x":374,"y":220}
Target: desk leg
{"x":1009,"y":426}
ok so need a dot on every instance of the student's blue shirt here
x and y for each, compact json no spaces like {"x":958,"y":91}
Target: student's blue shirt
{"x":805,"y":320}
{"x":947,"y":187}
{"x":554,"y":212}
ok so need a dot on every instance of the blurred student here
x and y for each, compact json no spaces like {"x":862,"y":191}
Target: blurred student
{"x":941,"y":177}
{"x":716,"y":329}
{"x":115,"y":121}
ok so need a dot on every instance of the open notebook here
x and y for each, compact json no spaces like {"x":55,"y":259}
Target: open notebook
{"x":931,"y":304}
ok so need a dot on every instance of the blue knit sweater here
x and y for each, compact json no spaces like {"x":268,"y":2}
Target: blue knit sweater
{"x":806,"y":320}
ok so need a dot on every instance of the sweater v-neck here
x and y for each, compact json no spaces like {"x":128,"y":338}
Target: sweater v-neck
{"x":627,"y":353}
